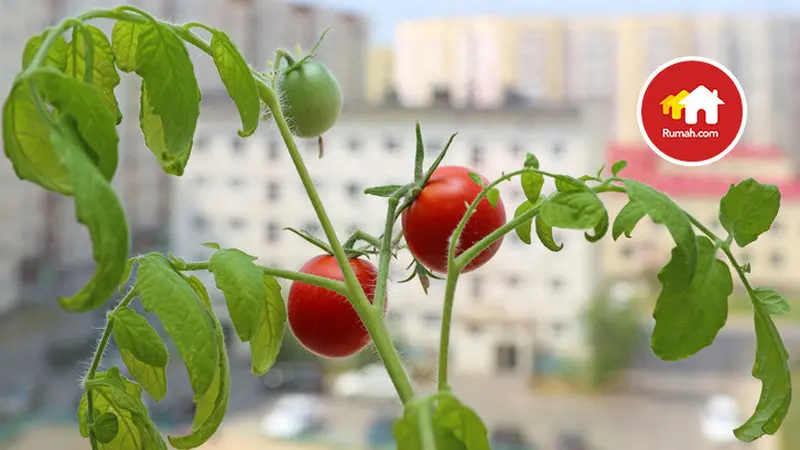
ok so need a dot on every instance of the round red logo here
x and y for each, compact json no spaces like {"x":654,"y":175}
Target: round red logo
{"x":692,"y":111}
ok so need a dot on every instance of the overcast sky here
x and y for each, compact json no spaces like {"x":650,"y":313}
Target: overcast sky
{"x":386,"y":13}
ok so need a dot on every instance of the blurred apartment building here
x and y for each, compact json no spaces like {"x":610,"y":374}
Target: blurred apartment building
{"x":525,"y":302}
{"x":492,"y":61}
{"x":43,"y":251}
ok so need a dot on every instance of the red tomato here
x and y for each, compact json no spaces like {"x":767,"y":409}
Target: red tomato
{"x":434,"y":215}
{"x":324,"y":321}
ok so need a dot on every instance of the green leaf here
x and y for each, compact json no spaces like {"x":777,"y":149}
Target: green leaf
{"x":771,"y":367}
{"x":466,"y":426}
{"x":266,"y":344}
{"x":242,"y":284}
{"x":600,"y":171}
{"x":98,"y":208}
{"x":545,"y":234}
{"x":618,"y":167}
{"x":600,"y":229}
{"x":132,"y":332}
{"x":211,"y":245}
{"x":126,"y":272}
{"x":566,"y":183}
{"x":170,"y":101}
{"x":771,"y":301}
{"x":152,"y":378}
{"x":124,"y":42}
{"x":112,"y":393}
{"x":663,"y":210}
{"x":56,"y":56}
{"x":748,"y":209}
{"x":27,"y":144}
{"x":105,"y":428}
{"x":532,"y":184}
{"x":493,"y":196}
{"x":576,"y":210}
{"x":201,"y":291}
{"x":211,"y":408}
{"x":531,"y":161}
{"x":524,"y":229}
{"x":185,"y":318}
{"x":408,"y":436}
{"x":104,"y":73}
{"x":689,"y":315}
{"x":383,"y":191}
{"x":83,"y":104}
{"x":626,"y":220}
{"x":238,"y":80}
{"x":477,"y":179}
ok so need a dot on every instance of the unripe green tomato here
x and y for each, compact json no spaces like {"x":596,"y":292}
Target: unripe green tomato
{"x":311,"y":99}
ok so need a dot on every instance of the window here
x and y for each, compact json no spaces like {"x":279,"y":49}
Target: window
{"x":477,"y":154}
{"x":273,"y":191}
{"x":273,"y":150}
{"x":200,"y":143}
{"x":556,"y":284}
{"x":627,"y":251}
{"x":477,"y":287}
{"x":201,"y":181}
{"x":237,"y":146}
{"x":776,"y":259}
{"x":392,"y":146}
{"x":273,"y":232}
{"x":514,"y":281}
{"x":354,"y":145}
{"x":517,"y":150}
{"x":433,"y":144}
{"x":506,"y":358}
{"x":474,"y":330}
{"x":236,"y":183}
{"x":558,"y":328}
{"x":776,"y":227}
{"x":517,"y":193}
{"x":199,"y":223}
{"x":312,"y":228}
{"x":237,"y":223}
{"x":353,"y":191}
{"x":431,"y":320}
{"x":352,"y":228}
{"x":558,"y":149}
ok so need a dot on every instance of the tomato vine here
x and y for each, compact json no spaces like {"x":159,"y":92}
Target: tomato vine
{"x":59,"y":132}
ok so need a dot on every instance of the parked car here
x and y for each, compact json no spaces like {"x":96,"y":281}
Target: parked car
{"x":294,"y":416}
{"x":571,"y":440}
{"x":295,"y":377}
{"x":379,"y":433}
{"x":372,"y":381}
{"x":509,"y":438}
{"x":718,"y":419}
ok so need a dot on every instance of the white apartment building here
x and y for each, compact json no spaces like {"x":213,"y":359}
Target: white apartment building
{"x":243,"y":192}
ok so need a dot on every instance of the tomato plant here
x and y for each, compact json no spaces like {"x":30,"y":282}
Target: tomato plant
{"x":60,"y":132}
{"x":325,"y":321}
{"x":433,"y":216}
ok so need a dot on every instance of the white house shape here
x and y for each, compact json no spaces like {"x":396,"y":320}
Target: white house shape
{"x":702,"y":98}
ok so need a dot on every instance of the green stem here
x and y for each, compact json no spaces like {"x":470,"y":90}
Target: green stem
{"x":88,"y":51}
{"x":386,"y":254}
{"x":469,"y":254}
{"x":372,"y":319}
{"x":447,"y":316}
{"x":98,"y":356}
{"x":314,"y":280}
{"x":425,"y":423}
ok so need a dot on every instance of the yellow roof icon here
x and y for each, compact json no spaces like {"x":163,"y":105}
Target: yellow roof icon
{"x":671,"y":105}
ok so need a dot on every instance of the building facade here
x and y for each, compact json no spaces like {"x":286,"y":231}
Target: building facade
{"x":243,"y":192}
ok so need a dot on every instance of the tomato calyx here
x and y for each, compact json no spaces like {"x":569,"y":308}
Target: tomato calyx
{"x":422,"y":273}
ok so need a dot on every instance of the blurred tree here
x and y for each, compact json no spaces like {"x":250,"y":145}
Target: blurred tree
{"x":613,"y":327}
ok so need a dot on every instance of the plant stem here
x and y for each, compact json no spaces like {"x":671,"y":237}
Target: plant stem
{"x":469,"y":254}
{"x":314,"y":280}
{"x":386,"y":254}
{"x":372,"y":319}
{"x":425,"y":424}
{"x":447,"y":316}
{"x":98,"y":356}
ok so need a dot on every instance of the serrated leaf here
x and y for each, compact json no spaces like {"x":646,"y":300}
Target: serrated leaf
{"x":524,"y":229}
{"x":477,"y":179}
{"x":772,"y":301}
{"x":212,"y":245}
{"x":771,"y":367}
{"x":83,"y":104}
{"x":105,"y":428}
{"x":618,"y":167}
{"x":27,"y":144}
{"x":626,"y":220}
{"x":132,"y":332}
{"x":383,"y":191}
{"x":201,"y":291}
{"x":493,"y":196}
{"x":242,"y":284}
{"x":266,"y":343}
{"x":545,"y":234}
{"x":104,"y":73}
{"x":152,"y":378}
{"x":211,"y":408}
{"x":98,"y":208}
{"x":454,"y":426}
{"x":56,"y":55}
{"x":124,"y":42}
{"x":532,"y":184}
{"x":748,"y":209}
{"x":531,"y":161}
{"x":600,"y":229}
{"x":600,"y":171}
{"x":126,"y":272}
{"x":236,"y":76}
{"x":462,"y":422}
{"x":565,"y":183}
{"x":663,"y":210}
{"x":408,"y":435}
{"x":170,"y":100}
{"x":184,"y":316}
{"x":689,"y":315}
{"x":576,"y":210}
{"x":112,"y":393}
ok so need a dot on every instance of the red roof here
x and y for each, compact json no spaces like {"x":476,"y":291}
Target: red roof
{"x":644,"y":165}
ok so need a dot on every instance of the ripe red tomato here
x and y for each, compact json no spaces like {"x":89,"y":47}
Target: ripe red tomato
{"x":434,"y":215}
{"x":323,"y":321}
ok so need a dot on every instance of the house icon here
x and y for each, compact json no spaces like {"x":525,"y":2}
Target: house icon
{"x":671,"y":106}
{"x":702,"y":99}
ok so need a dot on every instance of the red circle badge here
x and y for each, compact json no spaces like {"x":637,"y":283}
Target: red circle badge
{"x":692,"y":111}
